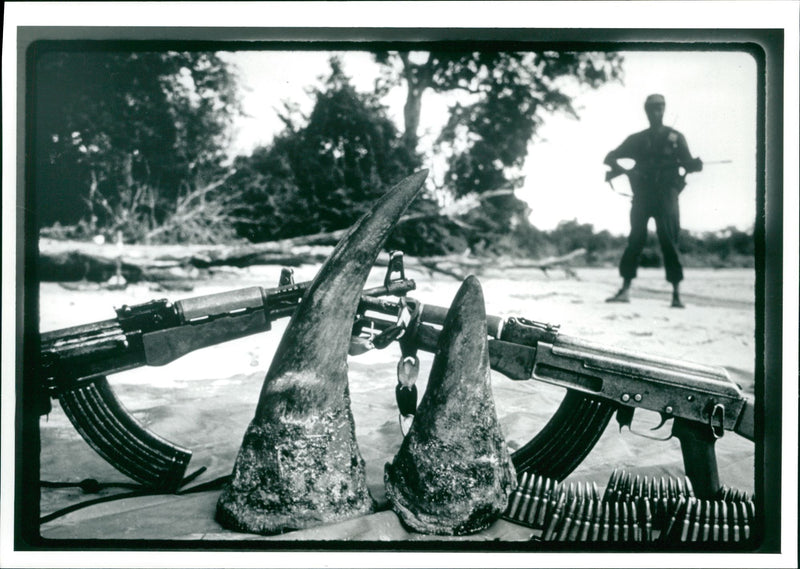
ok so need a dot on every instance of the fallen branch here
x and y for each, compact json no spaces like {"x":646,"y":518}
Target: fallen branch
{"x":450,"y":264}
{"x":86,"y":261}
{"x":76,"y":261}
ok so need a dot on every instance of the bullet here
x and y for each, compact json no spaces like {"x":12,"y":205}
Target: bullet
{"x":595,"y":533}
{"x":615,"y":525}
{"x":695,"y":521}
{"x":671,"y":492}
{"x":577,"y":519}
{"x":745,"y":516}
{"x":588,"y":518}
{"x":553,"y":522}
{"x":624,"y":524}
{"x":580,"y":514}
{"x":715,"y":521}
{"x":706,"y":527}
{"x":679,"y":489}
{"x":636,"y":527}
{"x":546,"y":504}
{"x":724,"y":522}
{"x":604,"y":530}
{"x":751,"y":508}
{"x":735,"y":521}
{"x":663,"y":498}
{"x":626,"y":488}
{"x":648,"y":522}
{"x":572,"y":505}
{"x":687,"y":519}
{"x":671,"y":528}
{"x":513,"y":507}
{"x":689,"y":487}
{"x":525,"y":498}
{"x":530,"y":518}
{"x":611,"y":486}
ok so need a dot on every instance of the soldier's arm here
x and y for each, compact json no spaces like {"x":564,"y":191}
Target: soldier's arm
{"x":625,"y":150}
{"x":689,"y":163}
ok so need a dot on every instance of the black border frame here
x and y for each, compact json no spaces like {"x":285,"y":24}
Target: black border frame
{"x":766,"y":45}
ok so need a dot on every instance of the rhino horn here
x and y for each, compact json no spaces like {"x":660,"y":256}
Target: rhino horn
{"x":453,"y":473}
{"x":299,"y":464}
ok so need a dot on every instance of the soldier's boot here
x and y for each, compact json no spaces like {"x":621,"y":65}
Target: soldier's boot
{"x":623,"y":294}
{"x":676,"y":298}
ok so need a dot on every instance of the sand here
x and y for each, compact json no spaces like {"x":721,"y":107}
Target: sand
{"x":205,"y":400}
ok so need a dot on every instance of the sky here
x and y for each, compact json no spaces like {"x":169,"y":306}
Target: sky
{"x":711,"y":99}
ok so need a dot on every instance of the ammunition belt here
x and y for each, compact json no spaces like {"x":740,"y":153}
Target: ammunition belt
{"x":631,"y":509}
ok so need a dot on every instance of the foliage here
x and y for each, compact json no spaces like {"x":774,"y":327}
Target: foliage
{"x":730,"y":247}
{"x":323,"y":171}
{"x":725,"y":248}
{"x":506,"y":97}
{"x":122,"y":136}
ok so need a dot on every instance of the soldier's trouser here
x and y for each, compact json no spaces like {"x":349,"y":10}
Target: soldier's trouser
{"x":663,"y":207}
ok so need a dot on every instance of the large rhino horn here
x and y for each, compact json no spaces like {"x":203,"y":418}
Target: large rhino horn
{"x":453,"y":474}
{"x":299,"y":464}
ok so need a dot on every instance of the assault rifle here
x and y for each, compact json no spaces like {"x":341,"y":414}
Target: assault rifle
{"x":600,"y":380}
{"x":615,"y":170}
{"x":76,"y":360}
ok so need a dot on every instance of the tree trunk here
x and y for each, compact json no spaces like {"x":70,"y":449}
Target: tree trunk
{"x":418,"y":78}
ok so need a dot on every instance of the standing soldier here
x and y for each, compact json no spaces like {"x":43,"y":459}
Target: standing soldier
{"x":659,"y":153}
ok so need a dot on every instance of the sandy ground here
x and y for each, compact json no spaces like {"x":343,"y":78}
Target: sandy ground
{"x":205,"y":400}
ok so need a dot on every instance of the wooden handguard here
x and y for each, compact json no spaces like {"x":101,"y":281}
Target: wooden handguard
{"x":115,"y":435}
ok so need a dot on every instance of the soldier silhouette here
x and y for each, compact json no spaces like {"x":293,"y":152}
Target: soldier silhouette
{"x":660,"y":153}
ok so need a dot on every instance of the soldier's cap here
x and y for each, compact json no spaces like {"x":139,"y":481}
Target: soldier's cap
{"x":654,"y":100}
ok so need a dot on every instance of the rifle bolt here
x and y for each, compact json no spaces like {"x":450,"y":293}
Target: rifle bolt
{"x":668,"y":409}
{"x":637,"y":397}
{"x":625,"y":397}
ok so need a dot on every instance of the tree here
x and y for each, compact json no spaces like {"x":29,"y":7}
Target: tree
{"x":325,"y":170}
{"x":123,"y":134}
{"x":506,"y":98}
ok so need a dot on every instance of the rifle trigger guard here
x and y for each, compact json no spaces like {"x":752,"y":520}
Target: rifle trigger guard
{"x":625,"y":419}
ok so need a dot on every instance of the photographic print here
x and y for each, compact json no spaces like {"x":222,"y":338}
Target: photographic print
{"x":348,"y":289}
